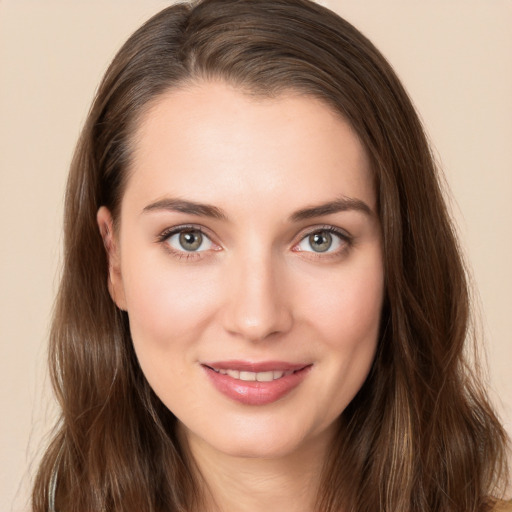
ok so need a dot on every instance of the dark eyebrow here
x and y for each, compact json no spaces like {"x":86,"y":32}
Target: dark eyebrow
{"x":339,"y":205}
{"x":180,"y":205}
{"x":205,"y":210}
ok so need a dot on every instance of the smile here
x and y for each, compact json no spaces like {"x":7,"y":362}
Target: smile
{"x":256,"y":383}
{"x":254,"y":376}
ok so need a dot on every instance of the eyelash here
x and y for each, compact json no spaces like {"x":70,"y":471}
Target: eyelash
{"x":345,"y":239}
{"x":181,"y":255}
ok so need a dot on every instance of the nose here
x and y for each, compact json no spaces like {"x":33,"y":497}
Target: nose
{"x":257,"y":306}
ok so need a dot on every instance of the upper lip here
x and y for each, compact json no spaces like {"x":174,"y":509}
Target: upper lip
{"x":253,"y":366}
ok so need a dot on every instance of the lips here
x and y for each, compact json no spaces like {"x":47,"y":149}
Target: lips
{"x":254,"y":376}
{"x":252,"y":383}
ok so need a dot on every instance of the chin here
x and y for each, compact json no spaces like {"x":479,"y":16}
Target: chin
{"x":264,"y":447}
{"x":261,"y":439}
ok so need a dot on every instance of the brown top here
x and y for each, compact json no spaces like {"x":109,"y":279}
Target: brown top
{"x":503,"y":506}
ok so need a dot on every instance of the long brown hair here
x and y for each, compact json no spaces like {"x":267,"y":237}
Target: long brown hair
{"x":420,"y":435}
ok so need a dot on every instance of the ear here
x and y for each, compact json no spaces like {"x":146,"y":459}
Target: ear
{"x":115,"y":278}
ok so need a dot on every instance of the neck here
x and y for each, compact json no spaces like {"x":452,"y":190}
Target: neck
{"x":239,"y":484}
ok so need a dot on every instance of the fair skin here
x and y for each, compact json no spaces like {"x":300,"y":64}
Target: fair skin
{"x":228,"y":271}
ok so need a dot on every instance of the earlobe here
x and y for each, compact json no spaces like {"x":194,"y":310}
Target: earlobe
{"x":115,"y":280}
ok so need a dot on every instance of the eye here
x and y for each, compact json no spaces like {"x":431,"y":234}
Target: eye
{"x":326,"y":240}
{"x":189,"y":240}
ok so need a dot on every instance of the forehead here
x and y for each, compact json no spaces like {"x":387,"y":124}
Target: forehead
{"x":212,"y":142}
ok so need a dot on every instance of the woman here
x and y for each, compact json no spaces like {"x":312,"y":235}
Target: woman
{"x":263,"y":303}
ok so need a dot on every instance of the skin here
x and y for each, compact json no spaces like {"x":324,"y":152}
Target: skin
{"x":256,"y":290}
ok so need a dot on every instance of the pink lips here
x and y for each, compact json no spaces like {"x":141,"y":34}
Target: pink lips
{"x":255,"y":392}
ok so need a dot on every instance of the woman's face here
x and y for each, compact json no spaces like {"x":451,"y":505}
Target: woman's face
{"x":249,"y":261}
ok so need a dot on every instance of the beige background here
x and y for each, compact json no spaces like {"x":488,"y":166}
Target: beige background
{"x":455,"y":58}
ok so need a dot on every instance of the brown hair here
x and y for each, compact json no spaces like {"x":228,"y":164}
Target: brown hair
{"x":420,"y":434}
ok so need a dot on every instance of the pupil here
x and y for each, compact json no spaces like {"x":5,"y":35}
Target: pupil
{"x":191,"y":240}
{"x":321,"y":241}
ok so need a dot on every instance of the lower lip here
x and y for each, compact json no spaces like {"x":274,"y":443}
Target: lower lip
{"x":254,"y":392}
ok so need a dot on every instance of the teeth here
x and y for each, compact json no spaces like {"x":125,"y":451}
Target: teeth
{"x":255,"y":376}
{"x":265,"y":376}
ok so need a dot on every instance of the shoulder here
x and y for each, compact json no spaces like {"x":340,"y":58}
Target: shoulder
{"x":503,"y":506}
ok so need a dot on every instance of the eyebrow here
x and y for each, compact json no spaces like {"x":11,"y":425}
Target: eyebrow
{"x":183,"y":206}
{"x":342,"y":204}
{"x":205,"y":210}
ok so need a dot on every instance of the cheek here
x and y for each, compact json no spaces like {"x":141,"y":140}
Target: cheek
{"x":351,"y":317}
{"x":347,"y":307}
{"x":167,"y":307}
{"x":168,"y":312}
